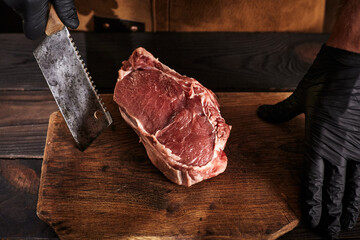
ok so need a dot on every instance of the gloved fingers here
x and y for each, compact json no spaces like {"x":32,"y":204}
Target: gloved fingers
{"x":282,"y":111}
{"x":312,"y":189}
{"x":66,"y":11}
{"x":351,"y":201}
{"x":333,"y":192}
{"x":35,"y":18}
{"x":34,"y":14}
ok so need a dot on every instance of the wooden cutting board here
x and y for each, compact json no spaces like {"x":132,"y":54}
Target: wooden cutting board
{"x":111,"y":190}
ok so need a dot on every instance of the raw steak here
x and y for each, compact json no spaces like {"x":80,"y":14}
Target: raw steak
{"x":177,"y":119}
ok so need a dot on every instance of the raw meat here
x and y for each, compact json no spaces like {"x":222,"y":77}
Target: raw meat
{"x":177,"y":119}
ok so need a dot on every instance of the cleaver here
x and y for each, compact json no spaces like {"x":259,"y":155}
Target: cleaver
{"x":70,"y":83}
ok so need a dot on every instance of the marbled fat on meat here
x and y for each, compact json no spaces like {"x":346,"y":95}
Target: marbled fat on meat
{"x":177,"y":119}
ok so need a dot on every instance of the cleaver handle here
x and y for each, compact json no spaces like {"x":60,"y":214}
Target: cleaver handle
{"x":54,"y":23}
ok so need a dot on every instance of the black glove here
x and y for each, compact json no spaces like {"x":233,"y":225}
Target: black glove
{"x":329,"y":95}
{"x":35,"y":14}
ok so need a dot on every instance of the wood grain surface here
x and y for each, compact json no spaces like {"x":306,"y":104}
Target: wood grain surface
{"x":23,"y":123}
{"x":19,"y":183}
{"x":112,"y":189}
{"x":221,"y":61}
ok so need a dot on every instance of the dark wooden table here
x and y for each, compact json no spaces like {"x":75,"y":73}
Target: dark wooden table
{"x":221,"y":61}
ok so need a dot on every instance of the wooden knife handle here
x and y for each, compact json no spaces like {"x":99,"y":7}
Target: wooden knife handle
{"x":54,"y":23}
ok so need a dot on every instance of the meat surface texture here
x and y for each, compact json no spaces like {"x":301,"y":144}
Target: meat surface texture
{"x":177,"y":119}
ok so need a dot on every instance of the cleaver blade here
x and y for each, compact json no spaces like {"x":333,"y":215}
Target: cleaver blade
{"x":71,"y":85}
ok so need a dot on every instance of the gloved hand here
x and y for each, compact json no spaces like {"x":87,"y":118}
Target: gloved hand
{"x":35,"y":14}
{"x":329,"y":95}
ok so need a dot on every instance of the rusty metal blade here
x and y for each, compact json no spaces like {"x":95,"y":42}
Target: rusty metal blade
{"x":72,"y":88}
